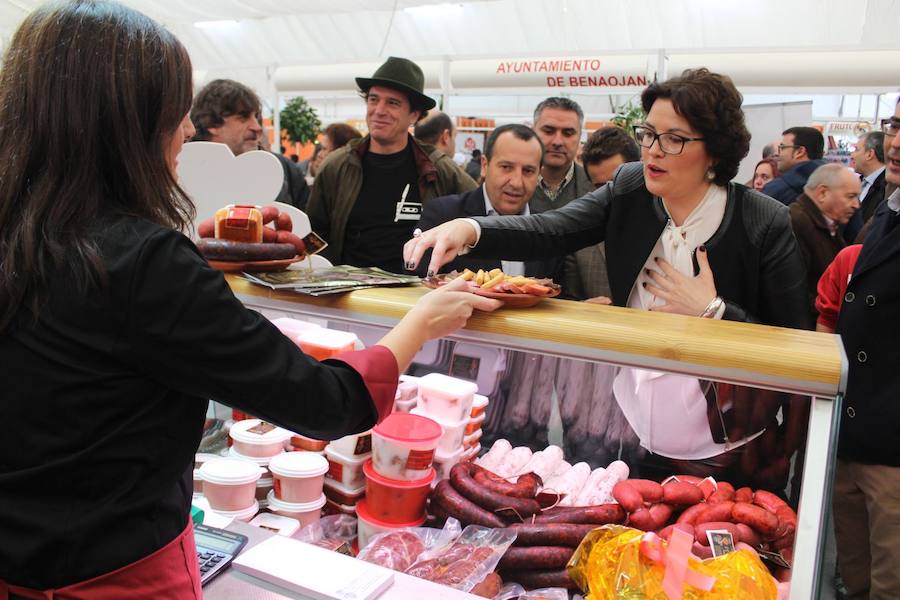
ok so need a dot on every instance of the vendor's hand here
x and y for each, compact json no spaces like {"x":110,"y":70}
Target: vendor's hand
{"x":683,"y":294}
{"x":442,"y":311}
{"x":448,"y":240}
{"x":599,"y":300}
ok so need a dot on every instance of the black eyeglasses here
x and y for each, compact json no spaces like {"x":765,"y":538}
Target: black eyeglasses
{"x":890,"y":127}
{"x":783,"y":147}
{"x":670,"y":143}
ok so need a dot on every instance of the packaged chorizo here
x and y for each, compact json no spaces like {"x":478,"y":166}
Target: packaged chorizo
{"x":400,"y":548}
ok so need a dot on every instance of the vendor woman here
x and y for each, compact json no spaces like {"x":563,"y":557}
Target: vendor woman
{"x":113,"y":328}
{"x":680,"y":238}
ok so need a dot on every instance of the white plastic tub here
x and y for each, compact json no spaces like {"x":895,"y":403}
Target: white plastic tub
{"x":340,"y":494}
{"x":230,"y":483}
{"x":357,"y":444}
{"x":444,"y":461}
{"x":475,"y":424}
{"x":258,"y":439}
{"x":325,"y":343}
{"x":471,"y":440}
{"x":306,"y":513}
{"x":281,"y":525}
{"x":453,"y":431}
{"x":298,"y":476}
{"x":403,"y":446}
{"x":199,"y":459}
{"x":347,"y":470}
{"x":241,"y":515}
{"x":472,"y":452}
{"x":445,"y":397}
{"x":479,"y":405}
{"x":405,"y":406}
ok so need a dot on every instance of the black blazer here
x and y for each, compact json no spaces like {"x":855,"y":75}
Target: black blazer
{"x":753,"y":255}
{"x":471,"y":204}
{"x":870,"y":423}
{"x":874,"y":198}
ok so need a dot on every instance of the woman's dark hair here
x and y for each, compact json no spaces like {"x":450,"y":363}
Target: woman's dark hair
{"x":340,"y":134}
{"x":712,"y":106}
{"x":91,"y":93}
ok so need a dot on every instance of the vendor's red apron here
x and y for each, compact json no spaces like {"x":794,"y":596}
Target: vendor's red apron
{"x":171,"y":572}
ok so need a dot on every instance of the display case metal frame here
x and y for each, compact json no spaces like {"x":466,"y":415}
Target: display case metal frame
{"x":799,"y":362}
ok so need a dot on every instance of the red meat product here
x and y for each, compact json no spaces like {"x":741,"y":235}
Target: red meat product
{"x":660,"y":513}
{"x":701,"y":551}
{"x":768,"y":501}
{"x":207,"y":228}
{"x":701,"y":529}
{"x":461,"y":479}
{"x":689,"y":516}
{"x":743,"y":494}
{"x":526,"y":486}
{"x":601,"y":514}
{"x":550,"y":534}
{"x":748,"y":535}
{"x":286,"y":237}
{"x":642,"y":519}
{"x":666,"y":532}
{"x":489,"y":587}
{"x":536,"y":557}
{"x":756,"y":517}
{"x":455,"y":505}
{"x":284,"y":223}
{"x":627,"y":496}
{"x":723,"y":493}
{"x":397,"y":550}
{"x":269,"y":213}
{"x":715,"y":512}
{"x":535,"y":579}
{"x":681,"y":493}
{"x":214,"y":249}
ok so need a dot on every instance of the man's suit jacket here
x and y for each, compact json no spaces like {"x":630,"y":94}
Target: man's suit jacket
{"x":874,"y":198}
{"x":471,"y":204}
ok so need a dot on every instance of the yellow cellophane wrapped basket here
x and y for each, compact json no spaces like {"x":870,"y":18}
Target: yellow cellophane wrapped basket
{"x":621,"y":563}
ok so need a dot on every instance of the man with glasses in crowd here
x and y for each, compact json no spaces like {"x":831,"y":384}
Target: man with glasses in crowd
{"x":867,"y":478}
{"x":799,"y":154}
{"x":368,"y":195}
{"x":868,"y":161}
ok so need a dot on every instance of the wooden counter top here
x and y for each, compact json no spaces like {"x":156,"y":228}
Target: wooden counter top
{"x":772,"y":357}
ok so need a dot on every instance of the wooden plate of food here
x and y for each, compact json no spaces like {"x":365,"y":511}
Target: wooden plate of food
{"x":514,"y":290}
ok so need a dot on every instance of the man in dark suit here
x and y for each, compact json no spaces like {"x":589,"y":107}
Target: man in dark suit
{"x":829,"y":200}
{"x":867,"y":478}
{"x":799,"y":154}
{"x":511,"y":163}
{"x":868,"y":161}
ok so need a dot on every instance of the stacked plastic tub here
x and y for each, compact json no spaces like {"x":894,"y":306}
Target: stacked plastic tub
{"x":298,"y":479}
{"x":448,"y":401}
{"x":398,"y":478}
{"x":257,"y":441}
{"x":345,"y":483}
{"x":472,"y":439}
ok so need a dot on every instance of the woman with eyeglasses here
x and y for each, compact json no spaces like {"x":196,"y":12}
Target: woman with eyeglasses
{"x":680,"y":238}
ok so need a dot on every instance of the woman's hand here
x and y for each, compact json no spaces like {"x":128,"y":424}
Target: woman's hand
{"x":438,"y":313}
{"x":448,"y":240}
{"x":606,"y":300}
{"x":683,"y":294}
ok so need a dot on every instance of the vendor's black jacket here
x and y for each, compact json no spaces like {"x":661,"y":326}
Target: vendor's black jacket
{"x":104,"y":399}
{"x":753,"y":255}
{"x":868,"y":323}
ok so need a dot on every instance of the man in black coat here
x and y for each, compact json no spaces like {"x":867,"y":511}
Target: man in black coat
{"x":868,"y":161}
{"x":867,"y":478}
{"x":799,"y":154}
{"x":511,"y":163}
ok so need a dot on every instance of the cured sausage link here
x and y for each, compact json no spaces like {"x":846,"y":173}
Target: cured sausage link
{"x":461,"y":479}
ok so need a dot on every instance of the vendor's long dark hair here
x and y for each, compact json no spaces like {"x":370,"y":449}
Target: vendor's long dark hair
{"x":91,"y":93}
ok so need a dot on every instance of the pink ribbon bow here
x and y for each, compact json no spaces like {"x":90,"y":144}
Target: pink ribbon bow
{"x":675,"y":559}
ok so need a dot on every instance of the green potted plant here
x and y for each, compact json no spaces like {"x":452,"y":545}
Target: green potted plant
{"x":300,"y":121}
{"x":629,"y":115}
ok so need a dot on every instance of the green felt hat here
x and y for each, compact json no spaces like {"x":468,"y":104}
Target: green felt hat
{"x":403,"y":75}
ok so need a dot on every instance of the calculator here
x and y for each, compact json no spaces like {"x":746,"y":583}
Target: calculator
{"x":216,"y":548}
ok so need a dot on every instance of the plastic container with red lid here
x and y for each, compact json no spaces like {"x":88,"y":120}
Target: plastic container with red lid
{"x":394,"y":501}
{"x":325,"y":343}
{"x":479,"y":405}
{"x":403,"y":446}
{"x":368,"y":525}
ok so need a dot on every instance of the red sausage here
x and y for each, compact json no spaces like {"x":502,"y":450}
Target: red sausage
{"x":768,"y":501}
{"x":534,"y":579}
{"x":270,"y":236}
{"x":661,"y":513}
{"x":666,"y":532}
{"x":700,"y":531}
{"x":461,"y":479}
{"x":269,"y":213}
{"x":707,"y":487}
{"x":626,"y":495}
{"x":787,"y":519}
{"x":642,"y":519}
{"x":650,"y":491}
{"x":681,"y":493}
{"x":601,"y":514}
{"x":550,"y":534}
{"x":784,"y":543}
{"x":455,"y":505}
{"x":536,"y":557}
{"x":689,"y":516}
{"x":743,"y":494}
{"x":747,"y":535}
{"x":715,"y":512}
{"x":207,"y":228}
{"x":526,"y":487}
{"x":724,"y":493}
{"x":214,"y":249}
{"x":284,"y":223}
{"x":701,"y":551}
{"x":756,"y":517}
{"x":286,"y":237}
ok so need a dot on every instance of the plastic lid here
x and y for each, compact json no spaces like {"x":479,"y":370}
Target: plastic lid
{"x":343,"y":458}
{"x":239,"y":514}
{"x":293,"y":326}
{"x":230,"y":471}
{"x":327,"y":338}
{"x":480,"y":401}
{"x":371,"y":474}
{"x":202,"y":457}
{"x":442,"y":457}
{"x":448,"y":385}
{"x":479,"y":419}
{"x":298,"y":464}
{"x":362,"y":511}
{"x":421,"y":411}
{"x":285,"y":525}
{"x":297,"y":507}
{"x":262,"y":461}
{"x":239,"y":431}
{"x":343,"y":489}
{"x":407,"y":427}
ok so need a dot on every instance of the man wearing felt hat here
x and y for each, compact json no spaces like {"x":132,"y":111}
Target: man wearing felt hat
{"x":368,"y":195}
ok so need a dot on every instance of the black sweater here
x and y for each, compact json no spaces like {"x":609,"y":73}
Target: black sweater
{"x":104,"y":400}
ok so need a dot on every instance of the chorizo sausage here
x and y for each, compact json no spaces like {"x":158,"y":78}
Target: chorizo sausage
{"x":661,"y":513}
{"x":550,"y":534}
{"x":681,"y":493}
{"x":627,"y":496}
{"x":456,"y":505}
{"x":286,"y":237}
{"x":756,"y":517}
{"x":724,"y":493}
{"x":534,"y":579}
{"x":689,"y":516}
{"x":701,"y":529}
{"x":284,"y":223}
{"x":269,"y":213}
{"x":536,"y":557}
{"x":748,"y":535}
{"x":715,"y":512}
{"x":461,"y":479}
{"x":666,"y":532}
{"x":650,"y":491}
{"x":214,"y":249}
{"x":525,"y":487}
{"x":768,"y":501}
{"x":207,"y":228}
{"x":743,"y":494}
{"x":642,"y":519}
{"x":601,"y":514}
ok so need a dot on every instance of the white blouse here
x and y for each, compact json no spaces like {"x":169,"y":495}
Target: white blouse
{"x":668,"y":412}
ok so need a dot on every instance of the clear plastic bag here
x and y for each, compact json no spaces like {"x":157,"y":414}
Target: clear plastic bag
{"x":400,"y":548}
{"x":467,"y":561}
{"x":333,"y":533}
{"x":514,"y":591}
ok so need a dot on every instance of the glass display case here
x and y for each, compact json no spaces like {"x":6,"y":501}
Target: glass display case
{"x":752,"y":405}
